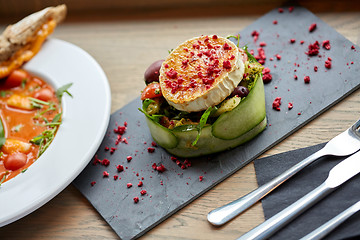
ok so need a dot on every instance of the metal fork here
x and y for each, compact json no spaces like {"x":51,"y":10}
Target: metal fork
{"x":346,"y":143}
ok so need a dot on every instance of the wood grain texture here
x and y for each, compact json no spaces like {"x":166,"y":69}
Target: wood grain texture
{"x":124,"y":49}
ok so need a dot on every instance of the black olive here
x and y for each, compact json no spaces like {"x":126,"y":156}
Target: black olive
{"x":152,"y":72}
{"x":240,"y":91}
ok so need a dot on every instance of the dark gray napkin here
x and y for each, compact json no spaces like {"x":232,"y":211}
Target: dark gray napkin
{"x":301,"y":184}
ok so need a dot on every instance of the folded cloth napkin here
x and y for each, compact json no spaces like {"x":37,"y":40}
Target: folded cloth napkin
{"x":301,"y":184}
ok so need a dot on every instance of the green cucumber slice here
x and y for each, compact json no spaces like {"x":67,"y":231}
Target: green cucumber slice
{"x":161,"y":135}
{"x":248,"y":114}
{"x":207,"y":143}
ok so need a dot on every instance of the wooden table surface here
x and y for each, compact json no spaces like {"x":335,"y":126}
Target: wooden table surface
{"x":124,"y":48}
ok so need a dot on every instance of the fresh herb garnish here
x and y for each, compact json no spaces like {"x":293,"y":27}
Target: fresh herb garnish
{"x":23,"y":82}
{"x":17,"y":128}
{"x":36,"y":103}
{"x":2,"y":134}
{"x":237,"y":37}
{"x":4,"y":177}
{"x":251,"y":57}
{"x":24,"y":170}
{"x":202,"y":123}
{"x":169,"y":51}
{"x":64,"y":89}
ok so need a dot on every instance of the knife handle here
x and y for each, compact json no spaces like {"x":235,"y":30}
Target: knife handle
{"x":273,"y":224}
{"x":327,"y":227}
{"x":222,"y":215}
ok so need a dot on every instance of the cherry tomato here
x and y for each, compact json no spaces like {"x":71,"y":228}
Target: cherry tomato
{"x":15,"y":161}
{"x":44,"y":94}
{"x":151,"y":91}
{"x":15,"y":78}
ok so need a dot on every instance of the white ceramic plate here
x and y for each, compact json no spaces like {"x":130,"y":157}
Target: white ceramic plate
{"x":85,"y":120}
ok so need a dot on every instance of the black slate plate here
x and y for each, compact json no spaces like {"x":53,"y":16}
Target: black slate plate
{"x":169,"y":191}
{"x":301,"y":184}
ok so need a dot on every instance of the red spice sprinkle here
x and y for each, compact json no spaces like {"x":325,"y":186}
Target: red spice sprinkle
{"x":329,"y":58}
{"x":227,"y":64}
{"x":153,"y":144}
{"x":227,"y":46}
{"x":275,"y":22}
{"x":295,"y":77}
{"x":140,"y":184}
{"x":299,"y":113}
{"x":96,"y":160}
{"x":326,"y":44}
{"x":290,"y":105}
{"x":120,"y":130}
{"x":262,"y":44}
{"x":352,"y":62}
{"x":302,"y":42}
{"x":116,"y":177}
{"x":183,"y":166}
{"x":313,"y":49}
{"x":128,"y":185}
{"x":92,"y":183}
{"x":280,"y":10}
{"x":215,"y":37}
{"x":107,"y":148}
{"x":125,"y":124}
{"x":154,"y":166}
{"x":307,"y":79}
{"x":166,"y":65}
{"x":291,"y":8}
{"x":352,"y":47}
{"x":171,"y":74}
{"x":143,"y":192}
{"x":312,"y":27}
{"x":315,"y":68}
{"x":255,"y":34}
{"x":120,"y":168}
{"x":276,"y":103}
{"x":105,"y":162}
{"x":187,"y":163}
{"x":105,"y":174}
{"x":151,"y":149}
{"x":136,"y":199}
{"x":129,"y":158}
{"x":178,"y":162}
{"x":267,"y":77}
{"x":161,"y":168}
{"x":201,"y":178}
{"x":278,"y":57}
{"x":112,"y":150}
{"x":328,"y":64}
{"x":292,"y":40}
{"x":271,"y":59}
{"x":173,"y":158}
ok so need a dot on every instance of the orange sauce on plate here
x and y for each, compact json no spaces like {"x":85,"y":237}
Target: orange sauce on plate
{"x":27,"y":105}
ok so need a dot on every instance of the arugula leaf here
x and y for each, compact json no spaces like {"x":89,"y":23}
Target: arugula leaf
{"x":64,"y":89}
{"x":203,"y":120}
{"x":36,"y":103}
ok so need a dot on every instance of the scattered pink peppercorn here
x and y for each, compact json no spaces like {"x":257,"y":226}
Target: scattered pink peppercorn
{"x":116,"y":177}
{"x":105,"y":162}
{"x":92,"y":183}
{"x":129,"y":158}
{"x":201,"y":178}
{"x":151,"y":149}
{"x":292,"y":40}
{"x":312,"y":27}
{"x":120,"y":168}
{"x":161,"y":168}
{"x":302,"y":42}
{"x":315,"y":68}
{"x":295,"y":77}
{"x":290,"y":105}
{"x":153,"y":144}
{"x":140,"y":184}
{"x":107,"y":149}
{"x":128,"y":185}
{"x":275,"y":22}
{"x":313,"y":49}
{"x":267,"y":77}
{"x":276,"y":103}
{"x":307,"y":79}
{"x":262,"y":44}
{"x":328,"y":64}
{"x":136,"y":199}
{"x":278,"y":57}
{"x":105,"y":174}
{"x":227,"y":64}
{"x":291,"y":8}
{"x":143,"y":192}
{"x":280,"y":10}
{"x":352,"y":47}
{"x":326,"y":44}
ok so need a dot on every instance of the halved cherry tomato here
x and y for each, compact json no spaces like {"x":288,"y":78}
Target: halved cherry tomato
{"x":15,"y":78}
{"x":44,"y":94}
{"x":152,"y":90}
{"x":15,"y":161}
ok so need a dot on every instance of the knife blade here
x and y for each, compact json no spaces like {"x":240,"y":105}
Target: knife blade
{"x":339,"y":174}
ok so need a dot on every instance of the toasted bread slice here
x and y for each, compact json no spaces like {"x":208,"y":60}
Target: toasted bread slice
{"x":22,"y":40}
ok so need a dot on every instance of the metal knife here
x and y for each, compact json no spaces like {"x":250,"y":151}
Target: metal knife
{"x":337,"y":176}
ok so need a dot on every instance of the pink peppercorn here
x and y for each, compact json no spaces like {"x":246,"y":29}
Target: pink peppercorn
{"x":128,"y":185}
{"x":307,"y":79}
{"x":92,"y":183}
{"x":136,"y":199}
{"x":292,"y":40}
{"x":105,"y":174}
{"x":120,"y":168}
{"x":140,"y":184}
{"x":151,"y":149}
{"x":312,"y":27}
{"x":129,"y":158}
{"x":143,"y":192}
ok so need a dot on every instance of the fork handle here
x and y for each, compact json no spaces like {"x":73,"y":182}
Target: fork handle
{"x":222,"y":215}
{"x":273,"y":224}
